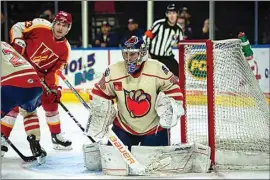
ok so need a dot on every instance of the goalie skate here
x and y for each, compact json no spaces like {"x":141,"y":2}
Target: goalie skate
{"x":60,"y":143}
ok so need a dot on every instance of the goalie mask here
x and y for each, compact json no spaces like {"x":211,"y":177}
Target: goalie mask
{"x":61,"y":24}
{"x":134,"y":53}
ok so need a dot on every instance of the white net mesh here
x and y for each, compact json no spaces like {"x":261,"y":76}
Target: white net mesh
{"x":241,"y":112}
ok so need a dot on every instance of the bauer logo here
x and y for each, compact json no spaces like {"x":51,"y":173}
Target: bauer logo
{"x":197,"y":67}
{"x":127,"y":155}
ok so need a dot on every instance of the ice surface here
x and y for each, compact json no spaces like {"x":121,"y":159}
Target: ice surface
{"x":69,"y":164}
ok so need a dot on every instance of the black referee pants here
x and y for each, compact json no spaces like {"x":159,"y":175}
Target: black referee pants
{"x":169,"y":61}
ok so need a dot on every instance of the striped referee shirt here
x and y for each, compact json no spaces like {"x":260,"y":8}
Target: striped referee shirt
{"x":162,"y":37}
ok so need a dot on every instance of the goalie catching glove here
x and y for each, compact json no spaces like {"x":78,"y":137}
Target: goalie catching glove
{"x":101,"y":116}
{"x":169,"y":110}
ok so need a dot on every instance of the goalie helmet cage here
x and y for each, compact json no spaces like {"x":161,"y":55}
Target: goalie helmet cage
{"x":225,"y":107}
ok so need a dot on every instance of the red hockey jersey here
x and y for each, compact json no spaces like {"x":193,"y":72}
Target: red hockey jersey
{"x":43,"y":51}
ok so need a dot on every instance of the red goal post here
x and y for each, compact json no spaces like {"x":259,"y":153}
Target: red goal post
{"x":225,"y":107}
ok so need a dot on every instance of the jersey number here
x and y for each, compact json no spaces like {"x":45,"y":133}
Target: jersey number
{"x":27,"y":24}
{"x":15,"y":60}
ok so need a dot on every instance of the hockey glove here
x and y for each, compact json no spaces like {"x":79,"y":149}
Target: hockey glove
{"x":168,"y":110}
{"x":53,"y":97}
{"x":56,"y":92}
{"x":19,"y":45}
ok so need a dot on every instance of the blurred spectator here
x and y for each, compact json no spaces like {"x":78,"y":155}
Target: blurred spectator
{"x":2,"y":27}
{"x":2,"y":18}
{"x":186,"y":34}
{"x":186,"y":14}
{"x":205,"y":30}
{"x":47,"y":14}
{"x":133,"y":30}
{"x":106,"y":38}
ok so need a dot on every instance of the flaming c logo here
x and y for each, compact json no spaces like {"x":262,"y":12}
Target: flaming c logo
{"x":138,"y":102}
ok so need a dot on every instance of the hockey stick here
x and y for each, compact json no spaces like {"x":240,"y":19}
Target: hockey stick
{"x":118,"y":144}
{"x":77,"y":122}
{"x":65,"y":109}
{"x":25,"y":158}
{"x":59,"y":73}
{"x":42,"y":81}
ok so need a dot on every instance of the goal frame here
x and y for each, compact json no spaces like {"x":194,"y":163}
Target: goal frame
{"x":210,"y":92}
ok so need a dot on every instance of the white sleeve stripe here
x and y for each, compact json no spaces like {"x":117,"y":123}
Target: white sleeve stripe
{"x":175,"y":94}
{"x":19,"y":75}
{"x":158,"y":22}
{"x":155,"y":29}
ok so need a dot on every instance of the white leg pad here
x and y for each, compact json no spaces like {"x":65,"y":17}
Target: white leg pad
{"x":185,"y":158}
{"x":112,"y":162}
{"x":92,"y":158}
{"x":201,"y":158}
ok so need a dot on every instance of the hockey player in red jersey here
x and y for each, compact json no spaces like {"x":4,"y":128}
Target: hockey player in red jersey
{"x":149,"y":99}
{"x":20,"y":86}
{"x":44,"y":45}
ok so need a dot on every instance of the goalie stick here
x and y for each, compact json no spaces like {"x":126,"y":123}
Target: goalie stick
{"x":118,"y":144}
{"x":23,"y":157}
{"x":131,"y":160}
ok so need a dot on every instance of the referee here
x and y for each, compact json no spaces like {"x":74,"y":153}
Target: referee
{"x":163,"y":35}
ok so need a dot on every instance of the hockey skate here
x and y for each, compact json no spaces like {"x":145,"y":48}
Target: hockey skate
{"x":4,"y":147}
{"x":36,"y":149}
{"x":60,"y":143}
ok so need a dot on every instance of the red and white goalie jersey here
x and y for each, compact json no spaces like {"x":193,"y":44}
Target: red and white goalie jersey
{"x":136,"y":95}
{"x":16,"y":71}
{"x":46,"y":53}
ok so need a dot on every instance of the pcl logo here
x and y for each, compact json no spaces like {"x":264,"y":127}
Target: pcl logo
{"x":197,"y":66}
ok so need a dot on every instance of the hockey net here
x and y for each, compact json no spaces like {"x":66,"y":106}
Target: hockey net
{"x":225,"y":107}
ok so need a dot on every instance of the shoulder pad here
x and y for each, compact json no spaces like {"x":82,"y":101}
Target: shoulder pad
{"x":41,"y":21}
{"x":157,"y":68}
{"x":115,"y":70}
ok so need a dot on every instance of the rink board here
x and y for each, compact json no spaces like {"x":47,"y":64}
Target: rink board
{"x":193,"y":98}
